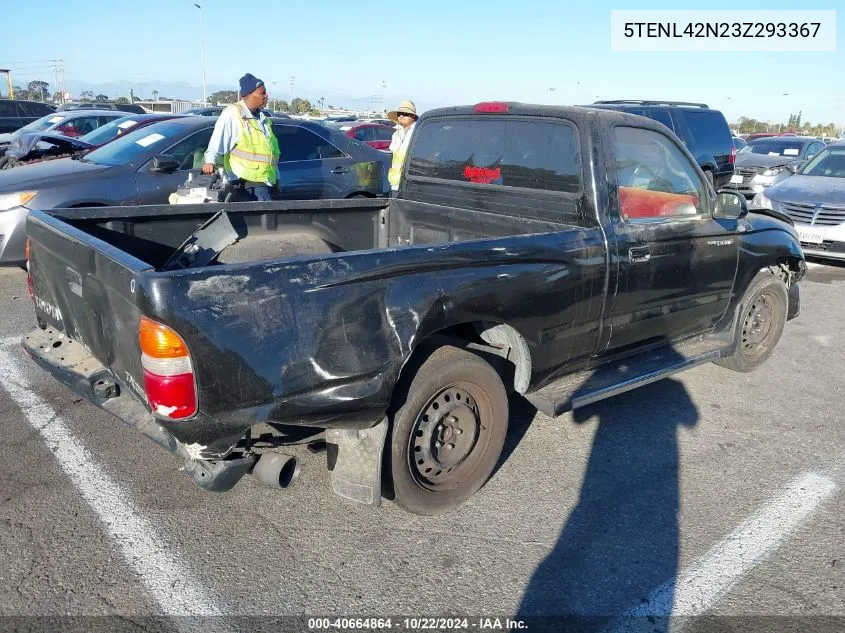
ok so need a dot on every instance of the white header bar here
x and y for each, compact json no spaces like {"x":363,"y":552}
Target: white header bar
{"x":723,"y":31}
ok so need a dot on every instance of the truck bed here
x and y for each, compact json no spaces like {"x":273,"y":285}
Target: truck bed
{"x":307,"y":318}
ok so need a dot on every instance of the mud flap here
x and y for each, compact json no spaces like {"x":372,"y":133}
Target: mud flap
{"x":356,"y":474}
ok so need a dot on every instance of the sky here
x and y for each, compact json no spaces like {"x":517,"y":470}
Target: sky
{"x":436,"y":52}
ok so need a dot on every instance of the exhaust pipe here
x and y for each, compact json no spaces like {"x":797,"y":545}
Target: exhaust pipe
{"x":276,"y":470}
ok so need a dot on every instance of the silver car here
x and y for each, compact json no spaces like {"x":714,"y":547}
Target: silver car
{"x":815,"y":200}
{"x":768,"y":161}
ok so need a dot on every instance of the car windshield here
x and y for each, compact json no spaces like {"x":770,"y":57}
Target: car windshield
{"x":110,"y":130}
{"x":44,"y":123}
{"x":137,"y":145}
{"x":830,"y":162}
{"x":774,"y":148}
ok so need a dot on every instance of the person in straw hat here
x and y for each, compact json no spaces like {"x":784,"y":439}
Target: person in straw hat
{"x":405,"y":116}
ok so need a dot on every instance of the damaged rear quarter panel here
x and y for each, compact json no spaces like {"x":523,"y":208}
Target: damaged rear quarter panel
{"x":321,"y":342}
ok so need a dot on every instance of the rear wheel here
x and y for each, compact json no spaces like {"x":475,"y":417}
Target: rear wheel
{"x":449,"y":432}
{"x":762,"y":318}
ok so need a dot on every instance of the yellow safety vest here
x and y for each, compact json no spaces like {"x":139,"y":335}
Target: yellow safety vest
{"x":394,"y":174}
{"x":255,"y":156}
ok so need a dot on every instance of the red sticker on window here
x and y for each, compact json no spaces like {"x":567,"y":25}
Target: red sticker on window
{"x":484,"y":175}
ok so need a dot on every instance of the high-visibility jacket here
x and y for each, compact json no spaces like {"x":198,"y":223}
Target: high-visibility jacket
{"x":399,"y":146}
{"x":255,"y":155}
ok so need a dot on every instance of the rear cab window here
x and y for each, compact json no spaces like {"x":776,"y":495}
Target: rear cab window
{"x":505,"y":152}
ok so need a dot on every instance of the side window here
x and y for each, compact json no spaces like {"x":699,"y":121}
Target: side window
{"x":710,"y":132}
{"x":814,"y":149}
{"x":79,"y":126}
{"x":654,"y":178}
{"x":190,"y":151}
{"x":383,"y":133}
{"x":297,"y":143}
{"x":364,"y":134}
{"x":663,"y":117}
{"x":499,"y":151}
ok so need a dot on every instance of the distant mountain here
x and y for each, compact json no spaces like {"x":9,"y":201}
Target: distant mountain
{"x":184,"y":90}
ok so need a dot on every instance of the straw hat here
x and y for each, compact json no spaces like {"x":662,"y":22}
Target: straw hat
{"x":407,"y":107}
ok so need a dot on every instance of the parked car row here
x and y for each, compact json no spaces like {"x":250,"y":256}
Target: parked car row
{"x":15,"y":113}
{"x":217,"y":110}
{"x":72,"y":124}
{"x":102,"y":105}
{"x":814,"y":198}
{"x":30,"y":147}
{"x":766,"y":161}
{"x":376,"y":135}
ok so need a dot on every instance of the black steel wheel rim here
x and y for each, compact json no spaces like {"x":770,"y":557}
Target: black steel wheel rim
{"x":758,"y":327}
{"x":449,"y":437}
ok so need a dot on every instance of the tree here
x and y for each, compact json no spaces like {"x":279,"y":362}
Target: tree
{"x":20,"y":93}
{"x":223,"y":96}
{"x":155,"y":95}
{"x":747,"y":125}
{"x":101,"y":97}
{"x":136,"y":99}
{"x":86,"y":95}
{"x":122,"y":100}
{"x":38,"y":90}
{"x":798,"y":120}
{"x":300,"y":106}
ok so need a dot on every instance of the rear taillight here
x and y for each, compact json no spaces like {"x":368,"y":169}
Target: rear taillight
{"x":732,"y":159}
{"x":168,"y":372}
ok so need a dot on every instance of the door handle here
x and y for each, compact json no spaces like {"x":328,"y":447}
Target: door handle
{"x":639,"y":254}
{"x":340,"y":170}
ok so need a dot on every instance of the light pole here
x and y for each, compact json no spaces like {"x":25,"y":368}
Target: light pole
{"x":202,"y":55}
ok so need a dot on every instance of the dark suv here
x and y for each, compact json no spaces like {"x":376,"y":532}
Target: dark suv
{"x":15,"y":113}
{"x":705,"y":132}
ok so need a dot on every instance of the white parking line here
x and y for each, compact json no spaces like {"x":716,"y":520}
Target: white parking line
{"x":164,"y":575}
{"x":717,"y":572}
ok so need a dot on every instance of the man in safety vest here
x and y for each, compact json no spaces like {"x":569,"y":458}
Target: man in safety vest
{"x":406,"y":118}
{"x":244,"y":138}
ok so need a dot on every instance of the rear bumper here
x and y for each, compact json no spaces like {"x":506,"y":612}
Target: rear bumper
{"x":72,"y":365}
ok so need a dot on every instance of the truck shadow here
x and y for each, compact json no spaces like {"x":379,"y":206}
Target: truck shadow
{"x":621,"y":541}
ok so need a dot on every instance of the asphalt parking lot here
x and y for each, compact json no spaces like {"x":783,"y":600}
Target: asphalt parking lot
{"x":709,"y":494}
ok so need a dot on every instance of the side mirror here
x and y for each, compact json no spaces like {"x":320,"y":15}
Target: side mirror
{"x":164,"y":163}
{"x":730,"y":205}
{"x":794,"y":167}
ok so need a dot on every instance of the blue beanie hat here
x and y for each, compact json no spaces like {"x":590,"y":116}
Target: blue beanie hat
{"x":249,"y":83}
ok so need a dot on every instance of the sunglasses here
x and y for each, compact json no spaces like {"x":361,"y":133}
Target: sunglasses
{"x":398,"y":114}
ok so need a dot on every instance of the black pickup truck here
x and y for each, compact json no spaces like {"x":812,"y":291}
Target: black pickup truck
{"x":565,"y":253}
